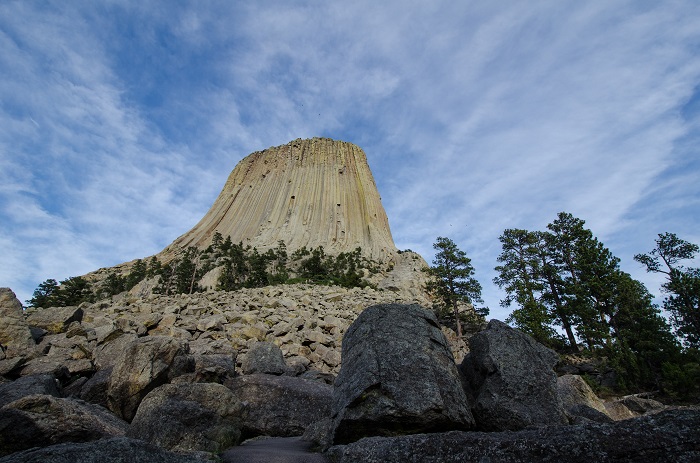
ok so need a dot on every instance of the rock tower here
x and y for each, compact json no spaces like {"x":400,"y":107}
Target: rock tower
{"x":315,"y":192}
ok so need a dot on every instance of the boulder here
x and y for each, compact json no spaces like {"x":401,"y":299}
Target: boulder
{"x":15,"y":336}
{"x":95,"y":388}
{"x":667,"y":436}
{"x":280,"y":406}
{"x":145,"y":364}
{"x":398,"y":376}
{"x":55,"y":319}
{"x":28,"y":385}
{"x":511,"y":379}
{"x":197,"y":416}
{"x":215,"y":360}
{"x":618,"y":411}
{"x":641,"y":405}
{"x":111,"y":348}
{"x":108,"y":450}
{"x":49,"y":365}
{"x":264,"y":357}
{"x":11,"y":366}
{"x":578,"y":398}
{"x":42,"y":420}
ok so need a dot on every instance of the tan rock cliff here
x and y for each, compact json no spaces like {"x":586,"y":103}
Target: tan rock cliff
{"x":315,"y":192}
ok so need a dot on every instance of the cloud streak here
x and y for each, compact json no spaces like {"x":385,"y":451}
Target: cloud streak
{"x":124,"y":119}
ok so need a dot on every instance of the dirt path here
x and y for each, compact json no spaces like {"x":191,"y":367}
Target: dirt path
{"x":273,"y":450}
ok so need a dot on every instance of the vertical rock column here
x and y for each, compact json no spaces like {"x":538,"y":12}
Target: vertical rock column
{"x":316,"y":192}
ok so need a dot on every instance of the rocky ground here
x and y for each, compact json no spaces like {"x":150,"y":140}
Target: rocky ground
{"x":189,"y":378}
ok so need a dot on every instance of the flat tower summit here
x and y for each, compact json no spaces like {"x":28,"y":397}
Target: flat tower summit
{"x":314,"y":192}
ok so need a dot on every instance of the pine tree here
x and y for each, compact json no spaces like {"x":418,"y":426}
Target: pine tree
{"x":452,"y":279}
{"x":682,"y":284}
{"x":520,"y":276}
{"x":44,"y":295}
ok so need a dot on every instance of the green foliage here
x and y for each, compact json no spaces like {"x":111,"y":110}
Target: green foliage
{"x":682,"y":284}
{"x":452,"y":281}
{"x":45,"y":295}
{"x":113,"y":284}
{"x":71,"y":291}
{"x":681,"y":379}
{"x":181,"y":274}
{"x":564,"y":277}
{"x":246,"y":267}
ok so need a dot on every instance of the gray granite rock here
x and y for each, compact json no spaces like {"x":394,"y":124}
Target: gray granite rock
{"x":511,"y":379}
{"x":398,"y":376}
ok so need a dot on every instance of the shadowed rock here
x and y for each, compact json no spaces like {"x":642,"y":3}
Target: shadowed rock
{"x":280,"y":405}
{"x":273,"y":450}
{"x":42,"y":420}
{"x":511,"y":378}
{"x":197,"y":416}
{"x":670,"y":436}
{"x":114,"y":450}
{"x":28,"y":385}
{"x":397,"y":377}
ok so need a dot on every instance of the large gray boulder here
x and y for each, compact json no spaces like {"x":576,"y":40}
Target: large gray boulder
{"x":661,"y":438}
{"x":264,"y":357}
{"x":15,"y":337}
{"x":511,"y":379}
{"x":42,"y":420}
{"x":398,"y":376}
{"x":28,"y":385}
{"x":145,"y":364}
{"x":109,"y":450}
{"x":215,"y":360}
{"x":189,"y":416}
{"x":281,"y":406}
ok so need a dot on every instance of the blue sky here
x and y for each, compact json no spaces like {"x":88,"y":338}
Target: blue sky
{"x":120,"y":120}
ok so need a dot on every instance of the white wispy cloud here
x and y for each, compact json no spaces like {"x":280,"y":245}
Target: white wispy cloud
{"x":121,"y":121}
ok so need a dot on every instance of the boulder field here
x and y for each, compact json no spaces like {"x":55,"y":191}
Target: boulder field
{"x":115,"y":383}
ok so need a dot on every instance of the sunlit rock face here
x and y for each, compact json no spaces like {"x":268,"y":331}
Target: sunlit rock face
{"x":315,"y":192}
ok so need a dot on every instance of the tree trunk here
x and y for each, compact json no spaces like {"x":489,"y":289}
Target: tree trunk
{"x":562,"y":315}
{"x":457,"y":322}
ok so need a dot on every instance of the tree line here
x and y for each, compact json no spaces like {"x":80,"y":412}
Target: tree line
{"x":566,"y":290}
{"x":241,"y":267}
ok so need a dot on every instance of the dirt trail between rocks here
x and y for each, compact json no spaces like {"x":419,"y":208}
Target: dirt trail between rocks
{"x":273,"y":450}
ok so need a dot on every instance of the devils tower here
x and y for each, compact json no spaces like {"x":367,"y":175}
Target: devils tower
{"x":315,"y":192}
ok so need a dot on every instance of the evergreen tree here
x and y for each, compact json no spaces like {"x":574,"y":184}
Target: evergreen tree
{"x":452,"y":282}
{"x":682,"y":284}
{"x":44,"y":295}
{"x":113,"y":284}
{"x":186,"y":272}
{"x":554,"y":292}
{"x":138,"y":272}
{"x":520,"y":276}
{"x":641,"y":341}
{"x":154,"y":267}
{"x":73,"y":291}
{"x":280,"y":259}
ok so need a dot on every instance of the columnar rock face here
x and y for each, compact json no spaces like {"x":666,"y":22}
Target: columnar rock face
{"x":316,"y":192}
